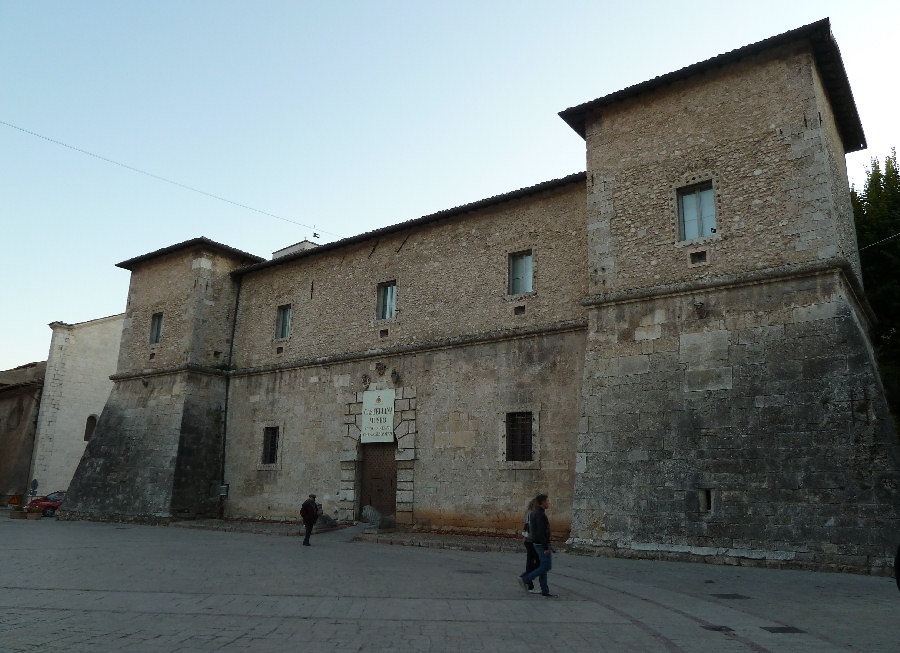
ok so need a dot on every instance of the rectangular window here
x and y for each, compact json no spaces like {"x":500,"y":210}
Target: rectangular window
{"x":697,"y":211}
{"x":518,"y":436}
{"x":387,"y":300}
{"x":270,"y":445}
{"x":520,"y":272}
{"x":283,"y":325}
{"x":155,"y":328}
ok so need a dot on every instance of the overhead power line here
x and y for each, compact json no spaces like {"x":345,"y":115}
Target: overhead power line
{"x":878,"y":242}
{"x":168,"y":181}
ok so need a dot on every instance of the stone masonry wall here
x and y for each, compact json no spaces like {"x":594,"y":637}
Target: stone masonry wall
{"x":76,"y":386}
{"x":20,"y":398}
{"x":451,"y":281}
{"x":753,"y":129}
{"x":194,"y":292}
{"x":127,"y":471}
{"x":743,"y":422}
{"x":450,"y":412}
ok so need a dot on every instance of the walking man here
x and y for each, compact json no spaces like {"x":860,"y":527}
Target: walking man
{"x":540,"y":534}
{"x":309,"y":514}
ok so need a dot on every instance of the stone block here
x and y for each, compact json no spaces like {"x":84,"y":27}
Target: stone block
{"x":709,"y":379}
{"x":815,"y":312}
{"x":651,"y":332}
{"x":629,"y":365}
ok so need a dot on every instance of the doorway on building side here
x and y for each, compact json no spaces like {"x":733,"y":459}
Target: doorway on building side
{"x":379,"y":477}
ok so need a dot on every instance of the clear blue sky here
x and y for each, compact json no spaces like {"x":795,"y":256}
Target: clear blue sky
{"x":345,"y":116}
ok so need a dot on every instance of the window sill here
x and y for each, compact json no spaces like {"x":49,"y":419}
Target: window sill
{"x":522,"y":464}
{"x":268,"y":468}
{"x":698,"y":241}
{"x":520,"y":296}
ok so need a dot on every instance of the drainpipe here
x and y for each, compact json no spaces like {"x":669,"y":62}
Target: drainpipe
{"x":237,"y":299}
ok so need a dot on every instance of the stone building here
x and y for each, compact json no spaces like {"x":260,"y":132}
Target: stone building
{"x":20,"y":400}
{"x":76,"y":386}
{"x":672,"y":344}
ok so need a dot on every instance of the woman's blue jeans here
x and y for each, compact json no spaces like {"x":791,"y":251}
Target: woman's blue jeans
{"x":545,"y":555}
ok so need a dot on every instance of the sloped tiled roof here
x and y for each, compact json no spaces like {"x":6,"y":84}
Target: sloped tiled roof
{"x":828,"y":60}
{"x":193,"y":242}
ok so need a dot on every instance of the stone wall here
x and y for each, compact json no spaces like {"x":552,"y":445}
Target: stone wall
{"x":20,"y":398}
{"x":157,"y":448}
{"x":753,"y":129}
{"x":76,"y":386}
{"x":450,"y":409}
{"x":741,"y":421}
{"x":156,"y":451}
{"x":451,"y":280}
{"x":193,"y":290}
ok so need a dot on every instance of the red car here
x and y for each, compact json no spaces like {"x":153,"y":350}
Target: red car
{"x":47,"y":504}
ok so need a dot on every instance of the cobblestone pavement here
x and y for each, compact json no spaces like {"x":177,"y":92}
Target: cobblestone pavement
{"x":79,"y":586}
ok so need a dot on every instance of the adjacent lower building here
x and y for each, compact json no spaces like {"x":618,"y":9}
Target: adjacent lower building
{"x":20,"y":400}
{"x":673,"y":344}
{"x":82,"y":357}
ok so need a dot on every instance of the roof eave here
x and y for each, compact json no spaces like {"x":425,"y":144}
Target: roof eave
{"x":828,"y":60}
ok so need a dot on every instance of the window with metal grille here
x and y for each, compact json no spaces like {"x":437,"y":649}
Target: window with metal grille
{"x":283,"y":326}
{"x":518,"y":436}
{"x":387,"y":300}
{"x":155,"y":328}
{"x":270,"y":445}
{"x":520,"y":272}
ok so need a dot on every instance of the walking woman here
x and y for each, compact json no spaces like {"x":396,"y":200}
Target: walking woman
{"x":539,"y":526}
{"x":532,"y":561}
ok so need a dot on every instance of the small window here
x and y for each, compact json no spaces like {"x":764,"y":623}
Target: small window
{"x":155,"y":328}
{"x":518,"y":436}
{"x":270,"y":445}
{"x":696,"y":211}
{"x":520,"y":272}
{"x":283,"y":323}
{"x":387,"y":300}
{"x":705,"y":500}
{"x":89,"y":427}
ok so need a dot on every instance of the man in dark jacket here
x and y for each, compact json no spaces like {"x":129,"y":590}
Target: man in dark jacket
{"x":539,"y":528}
{"x":309,"y":514}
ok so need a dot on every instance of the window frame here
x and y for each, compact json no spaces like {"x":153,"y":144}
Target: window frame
{"x":270,"y":446}
{"x":282,"y":326}
{"x":511,"y":259}
{"x":503,"y":450}
{"x":694,"y":189}
{"x":386,"y":300}
{"x":520,"y":440}
{"x":156,"y":324}
{"x":90,"y":425}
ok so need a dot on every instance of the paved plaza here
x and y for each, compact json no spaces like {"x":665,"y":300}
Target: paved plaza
{"x":79,"y":586}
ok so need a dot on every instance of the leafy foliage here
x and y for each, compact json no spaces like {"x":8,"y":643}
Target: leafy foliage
{"x":876,"y":210}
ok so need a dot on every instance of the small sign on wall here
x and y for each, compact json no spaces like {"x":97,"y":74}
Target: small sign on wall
{"x":377,"y":416}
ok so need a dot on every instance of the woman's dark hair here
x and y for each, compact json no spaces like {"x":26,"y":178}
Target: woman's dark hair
{"x":539,"y":499}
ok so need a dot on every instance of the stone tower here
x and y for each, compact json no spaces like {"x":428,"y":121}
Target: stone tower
{"x":731,"y":406}
{"x":157,"y":448}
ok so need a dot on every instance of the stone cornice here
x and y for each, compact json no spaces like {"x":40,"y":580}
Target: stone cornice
{"x":446,"y":343}
{"x":171,"y":369}
{"x":827,"y":266}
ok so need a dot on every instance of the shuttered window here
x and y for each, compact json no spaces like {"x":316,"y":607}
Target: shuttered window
{"x":387,"y":300}
{"x":520,"y":272}
{"x":697,"y":211}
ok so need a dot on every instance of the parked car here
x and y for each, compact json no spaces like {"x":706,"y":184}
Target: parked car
{"x":47,"y":504}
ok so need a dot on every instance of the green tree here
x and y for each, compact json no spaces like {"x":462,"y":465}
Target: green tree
{"x":876,"y":210}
